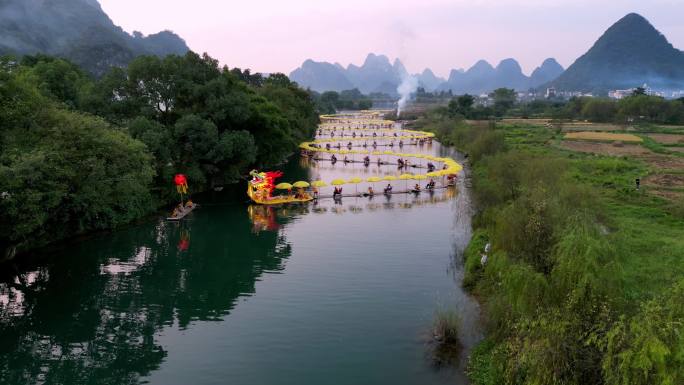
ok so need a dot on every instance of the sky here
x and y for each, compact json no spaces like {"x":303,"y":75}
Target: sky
{"x":278,"y":35}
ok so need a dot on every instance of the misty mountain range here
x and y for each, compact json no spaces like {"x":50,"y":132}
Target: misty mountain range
{"x":629,"y":54}
{"x":378,"y":75}
{"x":78,"y":30}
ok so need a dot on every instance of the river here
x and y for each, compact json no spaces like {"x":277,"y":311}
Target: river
{"x":331,"y":293}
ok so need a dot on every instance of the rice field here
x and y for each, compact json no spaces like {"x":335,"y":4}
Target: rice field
{"x":667,"y":138}
{"x":603,"y":136}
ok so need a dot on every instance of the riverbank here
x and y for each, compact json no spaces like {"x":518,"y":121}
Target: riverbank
{"x":336,"y":292}
{"x":584,"y":270}
{"x":74,"y":160}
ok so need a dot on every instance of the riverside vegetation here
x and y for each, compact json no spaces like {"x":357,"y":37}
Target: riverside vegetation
{"x":79,"y":154}
{"x":584,"y":281}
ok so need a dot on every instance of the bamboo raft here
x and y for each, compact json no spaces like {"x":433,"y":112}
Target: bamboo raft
{"x":183,"y":214}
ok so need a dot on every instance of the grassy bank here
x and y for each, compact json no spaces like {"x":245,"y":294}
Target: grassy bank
{"x":584,"y":279}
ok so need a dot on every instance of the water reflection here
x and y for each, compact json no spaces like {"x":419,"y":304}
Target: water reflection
{"x":264,"y":218}
{"x":91,"y":314}
{"x":123,"y":308}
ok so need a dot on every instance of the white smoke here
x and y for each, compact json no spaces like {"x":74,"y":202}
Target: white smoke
{"x":409,"y":85}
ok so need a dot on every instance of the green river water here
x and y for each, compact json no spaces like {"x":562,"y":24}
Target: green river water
{"x":238,"y":294}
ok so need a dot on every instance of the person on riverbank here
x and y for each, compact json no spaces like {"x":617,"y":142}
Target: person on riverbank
{"x":416,"y":188}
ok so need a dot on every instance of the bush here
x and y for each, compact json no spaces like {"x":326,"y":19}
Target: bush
{"x":447,"y":343}
{"x":473,"y":265}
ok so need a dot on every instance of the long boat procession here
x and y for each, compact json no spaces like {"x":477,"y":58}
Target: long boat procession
{"x":368,"y":139}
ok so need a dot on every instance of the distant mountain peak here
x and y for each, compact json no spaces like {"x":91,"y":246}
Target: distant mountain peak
{"x":376,"y":60}
{"x":78,"y":30}
{"x":399,"y":68}
{"x":632,"y":27}
{"x":629,"y":53}
{"x":481,"y":64}
{"x":509,"y":65}
{"x":549,"y":70}
{"x":550,"y":62}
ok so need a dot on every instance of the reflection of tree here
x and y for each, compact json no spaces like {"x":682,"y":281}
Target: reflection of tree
{"x":91,"y":314}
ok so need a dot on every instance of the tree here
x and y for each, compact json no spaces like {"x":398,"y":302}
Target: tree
{"x":599,"y":110}
{"x":79,"y":175}
{"x":462,"y":105}
{"x":504,"y":99}
{"x":365,"y":104}
{"x":66,"y":172}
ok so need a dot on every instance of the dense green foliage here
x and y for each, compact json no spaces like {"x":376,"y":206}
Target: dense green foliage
{"x":632,"y":109}
{"x":330,"y":101}
{"x":637,"y":108}
{"x":79,"y":154}
{"x":583,"y":283}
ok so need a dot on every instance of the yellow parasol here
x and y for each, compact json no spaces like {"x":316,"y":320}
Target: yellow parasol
{"x":389,"y":178}
{"x":373,"y":179}
{"x":283,"y":186}
{"x":338,"y":182}
{"x":405,"y":177}
{"x":356,"y":182}
{"x":301,"y":184}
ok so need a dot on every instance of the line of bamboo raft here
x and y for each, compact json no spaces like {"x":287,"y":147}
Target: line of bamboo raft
{"x":367,"y":121}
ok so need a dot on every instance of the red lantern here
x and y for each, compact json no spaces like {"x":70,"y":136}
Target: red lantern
{"x":181,"y":183}
{"x":180,"y":179}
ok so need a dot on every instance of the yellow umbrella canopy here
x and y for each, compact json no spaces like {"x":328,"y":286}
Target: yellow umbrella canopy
{"x":376,"y":153}
{"x":301,"y":184}
{"x":318,"y":183}
{"x":405,"y":176}
{"x":373,"y":179}
{"x":389,"y":177}
{"x":388,"y":152}
{"x":338,"y":182}
{"x":419,"y":177}
{"x":283,"y":186}
{"x":355,"y":180}
{"x":434,"y":174}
